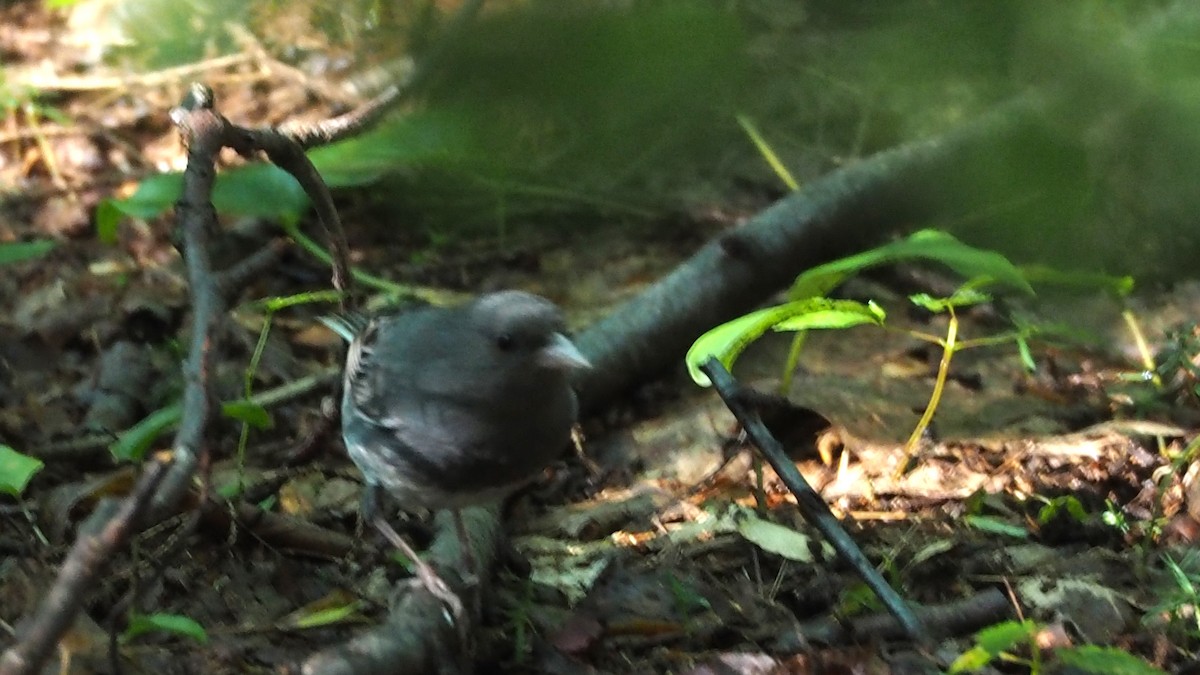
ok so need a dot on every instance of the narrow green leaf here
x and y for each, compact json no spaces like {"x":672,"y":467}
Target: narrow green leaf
{"x":1041,"y":275}
{"x":16,"y":470}
{"x":328,"y":616}
{"x":176,"y":624}
{"x":1026,"y":354}
{"x":20,"y":251}
{"x":132,"y":444}
{"x":933,"y":245}
{"x":727,"y":341}
{"x":989,"y":524}
{"x":251,"y":413}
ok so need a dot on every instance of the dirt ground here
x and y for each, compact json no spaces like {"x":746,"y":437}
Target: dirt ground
{"x":1071,"y":490}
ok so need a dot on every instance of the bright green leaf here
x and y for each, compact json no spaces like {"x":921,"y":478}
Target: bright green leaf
{"x":1026,"y":353}
{"x":1004,"y":636}
{"x":14,"y":252}
{"x":176,"y":624}
{"x":727,"y":341}
{"x":934,"y":245}
{"x":963,"y":297}
{"x":1069,"y":503}
{"x":251,"y":413}
{"x":16,"y":470}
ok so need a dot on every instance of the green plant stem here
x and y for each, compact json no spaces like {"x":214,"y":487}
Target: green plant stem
{"x":948,"y":348}
{"x":1143,"y":348}
{"x":768,"y":153}
{"x":793,"y":361}
{"x":364,"y":278}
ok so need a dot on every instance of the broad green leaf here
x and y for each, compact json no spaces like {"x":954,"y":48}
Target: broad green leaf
{"x":15,"y":252}
{"x":259,"y":190}
{"x":251,"y":413}
{"x":995,"y":526}
{"x":1105,"y":661}
{"x":934,"y":245}
{"x":176,"y":624}
{"x":264,"y":190}
{"x":16,"y":470}
{"x":153,"y":196}
{"x":727,"y":341}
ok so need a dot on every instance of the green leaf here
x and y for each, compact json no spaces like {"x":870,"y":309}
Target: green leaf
{"x":963,"y":297}
{"x":1105,"y":661}
{"x":20,"y":251}
{"x":934,"y":245}
{"x":1041,"y":275}
{"x":16,"y":470}
{"x":995,"y":526}
{"x":1006,"y":635}
{"x":1026,"y":353}
{"x":727,"y":341}
{"x":432,"y":136}
{"x":328,"y":616}
{"x":153,"y":196}
{"x":132,"y":444}
{"x":176,"y":624}
{"x":108,"y":220}
{"x":970,"y":661}
{"x":778,"y":539}
{"x":1069,"y":503}
{"x":261,"y":191}
{"x":251,"y":413}
{"x":257,"y":190}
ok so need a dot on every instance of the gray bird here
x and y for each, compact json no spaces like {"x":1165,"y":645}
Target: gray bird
{"x":450,"y":407}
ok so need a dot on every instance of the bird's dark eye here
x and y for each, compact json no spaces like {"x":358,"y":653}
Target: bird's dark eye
{"x":506,"y":342}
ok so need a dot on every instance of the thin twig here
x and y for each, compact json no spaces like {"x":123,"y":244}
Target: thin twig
{"x":815,"y":510}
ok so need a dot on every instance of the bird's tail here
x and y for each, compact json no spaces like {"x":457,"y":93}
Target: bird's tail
{"x":346,"y":325}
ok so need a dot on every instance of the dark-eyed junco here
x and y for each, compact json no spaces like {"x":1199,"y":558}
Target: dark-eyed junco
{"x":449,"y":407}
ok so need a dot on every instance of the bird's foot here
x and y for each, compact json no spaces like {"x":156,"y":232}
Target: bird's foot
{"x":430,"y":579}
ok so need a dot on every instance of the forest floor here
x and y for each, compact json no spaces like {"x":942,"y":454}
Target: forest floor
{"x":1073,"y":490}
